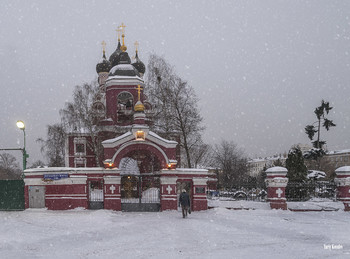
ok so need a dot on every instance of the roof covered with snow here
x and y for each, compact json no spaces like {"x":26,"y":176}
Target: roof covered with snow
{"x":277,"y":169}
{"x":343,"y":169}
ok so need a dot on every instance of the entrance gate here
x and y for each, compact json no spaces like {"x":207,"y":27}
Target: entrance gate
{"x":11,"y":195}
{"x":95,"y":195}
{"x":140,"y":192}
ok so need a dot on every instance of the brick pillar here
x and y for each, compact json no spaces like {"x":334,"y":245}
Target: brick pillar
{"x":168,"y":197}
{"x":343,"y":182}
{"x":26,"y":197}
{"x":276,"y":182}
{"x":199,"y":194}
{"x":112,"y":193}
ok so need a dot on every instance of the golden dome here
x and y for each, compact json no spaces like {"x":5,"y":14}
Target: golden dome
{"x":139,"y":107}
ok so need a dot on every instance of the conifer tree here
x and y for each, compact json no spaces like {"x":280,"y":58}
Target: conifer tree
{"x":297,"y":170}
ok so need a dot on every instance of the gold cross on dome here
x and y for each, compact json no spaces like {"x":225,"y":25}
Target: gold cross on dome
{"x":103,"y":43}
{"x":139,"y":88}
{"x":122,"y":27}
{"x":136,"y":45}
{"x":119,"y":31}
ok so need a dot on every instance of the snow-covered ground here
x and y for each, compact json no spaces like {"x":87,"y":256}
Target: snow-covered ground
{"x":217,"y":233}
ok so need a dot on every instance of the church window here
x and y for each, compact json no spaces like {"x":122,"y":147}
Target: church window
{"x":125,"y":101}
{"x":99,"y":108}
{"x":79,"y":146}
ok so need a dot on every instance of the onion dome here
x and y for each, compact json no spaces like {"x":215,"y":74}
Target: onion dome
{"x":104,"y":65}
{"x":139,"y":107}
{"x":114,"y":58}
{"x":139,"y":64}
{"x":124,"y":70}
{"x":124,"y":58}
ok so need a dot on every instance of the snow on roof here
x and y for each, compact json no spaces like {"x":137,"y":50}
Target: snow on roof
{"x":108,"y":119}
{"x":270,"y":158}
{"x":343,"y":169}
{"x":316,"y":174}
{"x":191,"y":170}
{"x":160,"y":138}
{"x":335,"y":152}
{"x":63,"y":169}
{"x":108,"y":141}
{"x":122,"y":67}
{"x":276,"y":169}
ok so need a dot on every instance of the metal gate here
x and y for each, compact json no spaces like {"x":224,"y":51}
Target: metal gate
{"x":140,"y":192}
{"x":11,"y":195}
{"x":36,"y":197}
{"x":96,"y":195}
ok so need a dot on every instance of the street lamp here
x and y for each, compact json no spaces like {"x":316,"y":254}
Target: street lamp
{"x":20,"y":125}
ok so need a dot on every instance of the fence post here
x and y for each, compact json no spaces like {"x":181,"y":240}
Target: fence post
{"x":168,"y":197}
{"x":343,"y":185}
{"x":276,"y":182}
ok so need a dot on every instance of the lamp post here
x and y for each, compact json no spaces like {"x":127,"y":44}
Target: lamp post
{"x":20,"y":125}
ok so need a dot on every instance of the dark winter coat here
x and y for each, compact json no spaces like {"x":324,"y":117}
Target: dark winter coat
{"x":185,"y":199}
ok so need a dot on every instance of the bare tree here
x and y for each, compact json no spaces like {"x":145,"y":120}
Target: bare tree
{"x":202,"y":155}
{"x":232,"y":163}
{"x":80,"y":116}
{"x":54,"y":146}
{"x":9,"y":165}
{"x":37,"y":163}
{"x":175,"y":101}
{"x":8,"y":161}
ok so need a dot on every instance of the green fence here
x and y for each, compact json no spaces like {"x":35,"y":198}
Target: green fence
{"x":11,"y":195}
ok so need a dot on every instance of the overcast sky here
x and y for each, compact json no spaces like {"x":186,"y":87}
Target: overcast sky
{"x":259,"y":67}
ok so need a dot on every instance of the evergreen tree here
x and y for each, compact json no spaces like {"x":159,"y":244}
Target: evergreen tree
{"x":297,"y":170}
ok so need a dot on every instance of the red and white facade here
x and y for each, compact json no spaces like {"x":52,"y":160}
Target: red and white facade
{"x":276,"y":182}
{"x":141,"y":166}
{"x":343,"y":181}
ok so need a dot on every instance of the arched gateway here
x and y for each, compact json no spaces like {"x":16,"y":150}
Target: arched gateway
{"x":140,"y":166}
{"x":140,"y":161}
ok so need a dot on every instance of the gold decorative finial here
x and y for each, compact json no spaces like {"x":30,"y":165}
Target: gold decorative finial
{"x":139,"y":107}
{"x":139,"y":88}
{"x":103,"y":43}
{"x":136,"y":45}
{"x":119,"y":31}
{"x":123,"y":47}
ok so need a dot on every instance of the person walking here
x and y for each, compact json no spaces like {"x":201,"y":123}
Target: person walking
{"x":185,"y":203}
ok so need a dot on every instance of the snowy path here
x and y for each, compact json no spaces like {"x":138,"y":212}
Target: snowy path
{"x":217,"y":233}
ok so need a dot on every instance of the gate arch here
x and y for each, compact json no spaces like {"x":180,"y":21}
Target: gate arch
{"x":147,"y":146}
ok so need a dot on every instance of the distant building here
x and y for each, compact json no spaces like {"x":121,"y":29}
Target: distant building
{"x":331,"y":161}
{"x":257,"y":165}
{"x":338,"y":158}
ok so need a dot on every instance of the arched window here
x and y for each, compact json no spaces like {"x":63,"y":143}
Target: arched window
{"x":125,"y":101}
{"x":99,"y":111}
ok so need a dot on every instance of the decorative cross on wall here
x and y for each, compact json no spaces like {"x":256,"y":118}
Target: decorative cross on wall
{"x":169,"y":189}
{"x":112,"y":188}
{"x":279,"y":192}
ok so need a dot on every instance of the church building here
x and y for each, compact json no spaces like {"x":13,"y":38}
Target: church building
{"x":139,"y":170}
